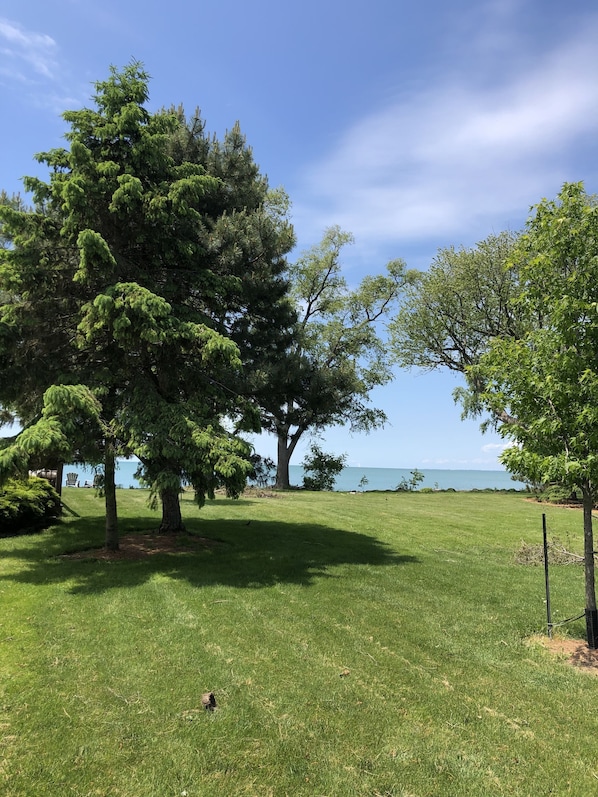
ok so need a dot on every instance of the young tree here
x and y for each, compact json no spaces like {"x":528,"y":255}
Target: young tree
{"x":336,"y":357}
{"x":150,"y":247}
{"x":410,"y":485}
{"x":545,"y":381}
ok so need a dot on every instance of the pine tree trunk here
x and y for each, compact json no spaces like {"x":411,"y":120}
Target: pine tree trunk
{"x":110,"y":499}
{"x":171,"y":512}
{"x":588,"y":551}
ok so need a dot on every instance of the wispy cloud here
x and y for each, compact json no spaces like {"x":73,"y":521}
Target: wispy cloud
{"x":31,"y":64}
{"x":26,"y":55}
{"x":495,"y":448}
{"x":464,"y":152}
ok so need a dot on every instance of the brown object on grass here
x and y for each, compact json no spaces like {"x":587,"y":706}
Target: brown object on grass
{"x":208,"y":701}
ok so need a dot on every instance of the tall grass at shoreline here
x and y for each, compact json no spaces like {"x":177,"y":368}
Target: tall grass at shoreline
{"x":368,"y":644}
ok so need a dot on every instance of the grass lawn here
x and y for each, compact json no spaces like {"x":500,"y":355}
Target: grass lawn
{"x":374,"y":644}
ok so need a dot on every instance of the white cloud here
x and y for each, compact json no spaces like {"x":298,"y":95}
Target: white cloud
{"x":26,"y":55}
{"x":492,"y":448}
{"x":30,"y":65}
{"x":460,"y":156}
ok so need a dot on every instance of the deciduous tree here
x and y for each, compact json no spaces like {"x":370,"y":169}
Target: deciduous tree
{"x":336,"y":357}
{"x":545,"y":381}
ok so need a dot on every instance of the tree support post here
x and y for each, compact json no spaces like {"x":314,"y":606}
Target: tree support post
{"x":547,"y":578}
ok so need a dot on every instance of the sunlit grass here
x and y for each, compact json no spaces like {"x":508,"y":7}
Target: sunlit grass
{"x":368,"y":644}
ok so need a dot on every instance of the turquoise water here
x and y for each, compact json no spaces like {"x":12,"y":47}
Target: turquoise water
{"x":350,"y":478}
{"x":389,"y":478}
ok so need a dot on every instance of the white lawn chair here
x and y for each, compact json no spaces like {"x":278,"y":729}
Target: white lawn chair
{"x":72,"y":479}
{"x":98,"y":481}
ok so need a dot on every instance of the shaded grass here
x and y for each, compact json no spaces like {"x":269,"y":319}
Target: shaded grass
{"x":370,"y":644}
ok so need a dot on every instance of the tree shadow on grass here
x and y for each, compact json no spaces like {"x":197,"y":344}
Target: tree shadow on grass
{"x":228,"y":552}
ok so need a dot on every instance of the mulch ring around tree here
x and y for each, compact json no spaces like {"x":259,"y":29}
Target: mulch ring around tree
{"x":133,"y":547}
{"x":573,"y":651}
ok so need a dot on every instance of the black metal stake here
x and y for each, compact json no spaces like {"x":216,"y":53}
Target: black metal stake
{"x":546,"y":578}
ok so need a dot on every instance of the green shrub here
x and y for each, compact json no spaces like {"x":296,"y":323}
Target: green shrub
{"x":27,"y":505}
{"x":324,"y":468}
{"x":409,"y":485}
{"x":559,"y":494}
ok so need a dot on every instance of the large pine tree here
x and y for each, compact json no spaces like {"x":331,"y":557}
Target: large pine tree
{"x":150,"y":269}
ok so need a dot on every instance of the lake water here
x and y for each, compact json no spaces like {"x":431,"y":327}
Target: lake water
{"x":351,"y":478}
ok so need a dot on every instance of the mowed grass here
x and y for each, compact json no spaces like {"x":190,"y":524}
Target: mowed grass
{"x":369,"y":644}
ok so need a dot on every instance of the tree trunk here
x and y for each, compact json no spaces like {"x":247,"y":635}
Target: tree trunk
{"x":171,"y":512}
{"x":588,"y":553}
{"x":110,"y":498}
{"x":282,"y":463}
{"x":286,"y":448}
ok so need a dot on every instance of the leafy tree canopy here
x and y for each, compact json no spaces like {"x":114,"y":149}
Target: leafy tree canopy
{"x":451,"y":312}
{"x":547,"y":378}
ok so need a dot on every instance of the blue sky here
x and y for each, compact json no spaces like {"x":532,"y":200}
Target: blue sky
{"x":412,"y":125}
